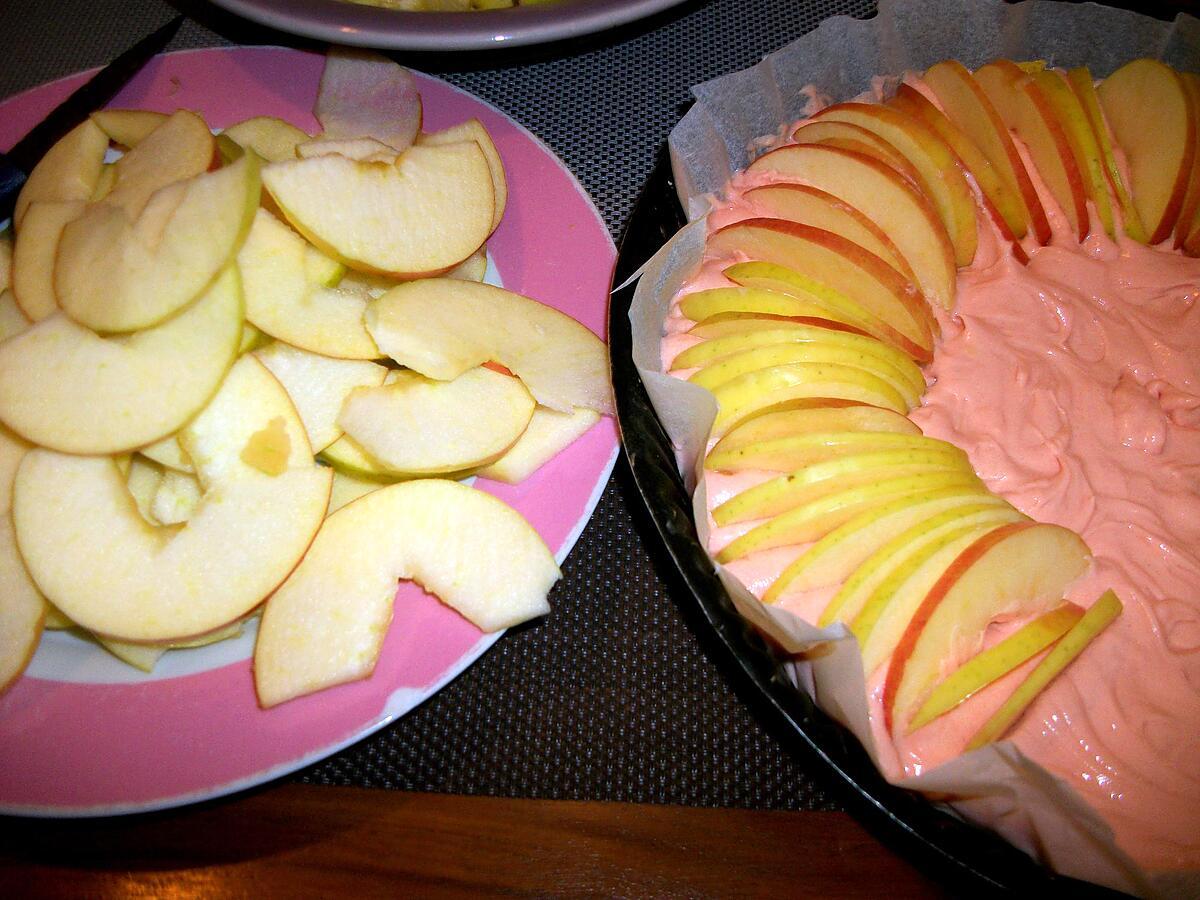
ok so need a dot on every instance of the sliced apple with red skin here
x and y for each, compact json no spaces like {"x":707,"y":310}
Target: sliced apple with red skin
{"x":1091,"y":625}
{"x":884,"y":196}
{"x":289,"y":294}
{"x":326,"y":624}
{"x":473,"y":130}
{"x":549,"y":433}
{"x":810,"y":206}
{"x":442,"y":327}
{"x":364,"y":94}
{"x":833,"y":261}
{"x":62,"y":386}
{"x":271,"y":138}
{"x":1080,"y":81}
{"x":817,"y":419}
{"x":996,"y":662}
{"x":812,"y":521}
{"x":417,"y":426}
{"x":781,"y":279}
{"x":808,"y":383}
{"x":938,"y":172}
{"x":114,"y":274}
{"x":795,"y":451}
{"x":1153,"y":122}
{"x":1002,"y":201}
{"x":854,"y":137}
{"x":181,"y":148}
{"x":128,"y":127}
{"x":834,"y":557}
{"x":1189,"y":213}
{"x":966,"y":104}
{"x":264,"y":499}
{"x":1082,"y":140}
{"x":786,"y":492}
{"x":68,"y":171}
{"x":318,"y":385}
{"x":421,"y":215}
{"x":1027,"y":111}
{"x":35,"y":251}
{"x":1019,"y":570}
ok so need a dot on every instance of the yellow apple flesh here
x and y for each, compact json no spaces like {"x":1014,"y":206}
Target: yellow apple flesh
{"x":549,"y":432}
{"x":718,"y":305}
{"x":271,"y":138}
{"x":795,"y":451}
{"x":128,"y":127}
{"x":68,"y":171}
{"x":34,"y":253}
{"x":473,"y":130}
{"x":179,"y":149}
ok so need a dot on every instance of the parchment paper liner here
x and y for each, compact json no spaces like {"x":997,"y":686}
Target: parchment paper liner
{"x":735,"y":118}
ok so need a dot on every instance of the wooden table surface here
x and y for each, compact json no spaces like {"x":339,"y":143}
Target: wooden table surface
{"x":291,"y":840}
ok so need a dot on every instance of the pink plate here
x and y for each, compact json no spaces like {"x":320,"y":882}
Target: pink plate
{"x":81,"y":734}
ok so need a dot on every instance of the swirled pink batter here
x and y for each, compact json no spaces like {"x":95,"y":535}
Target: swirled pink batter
{"x":1073,"y":384}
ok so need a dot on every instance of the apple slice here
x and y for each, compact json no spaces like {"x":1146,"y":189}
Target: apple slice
{"x":22,"y":609}
{"x":271,"y":138}
{"x":1003,"y":202}
{"x":841,"y":348}
{"x":882,"y":195}
{"x":780,"y":279}
{"x":549,"y":433}
{"x":326,"y":624}
{"x":288,"y":294}
{"x":769,"y":390}
{"x":360,"y":149}
{"x":1153,"y":122}
{"x":347,"y":489}
{"x":128,"y":127}
{"x":834,"y":557}
{"x":778,"y":495}
{"x":12,"y":320}
{"x":1026,"y":110}
{"x":168,"y":452}
{"x":996,"y":662}
{"x":812,"y":521}
{"x":64,"y":387}
{"x":938,"y":173}
{"x":346,"y":456}
{"x":142,"y":481}
{"x":264,"y":499}
{"x":1082,"y":140}
{"x":35,"y":251}
{"x":181,"y":148}
{"x":364,"y":94}
{"x":833,"y":261}
{"x":68,"y":171}
{"x":114,"y":274}
{"x":442,"y":327}
{"x":176,"y":498}
{"x":967,"y":106}
{"x":751,"y":305}
{"x":810,"y":206}
{"x":814,"y":420}
{"x":854,"y":137}
{"x":421,"y":215}
{"x":417,"y":426}
{"x":1093,"y":622}
{"x":473,"y":130}
{"x":795,"y":451}
{"x":1018,"y":570}
{"x":318,"y":385}
{"x":1081,"y":83}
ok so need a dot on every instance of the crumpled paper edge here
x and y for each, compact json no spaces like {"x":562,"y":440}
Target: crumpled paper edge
{"x":738,"y":116}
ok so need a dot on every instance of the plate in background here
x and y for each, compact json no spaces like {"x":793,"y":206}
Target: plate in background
{"x":343,"y":22}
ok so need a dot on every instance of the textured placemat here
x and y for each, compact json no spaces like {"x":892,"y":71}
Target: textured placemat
{"x":613,"y":696}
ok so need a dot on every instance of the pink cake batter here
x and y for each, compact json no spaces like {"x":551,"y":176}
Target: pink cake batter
{"x":1073,"y":384}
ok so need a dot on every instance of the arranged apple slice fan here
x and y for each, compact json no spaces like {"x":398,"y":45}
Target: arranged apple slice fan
{"x":821,"y":293}
{"x":237,"y":373}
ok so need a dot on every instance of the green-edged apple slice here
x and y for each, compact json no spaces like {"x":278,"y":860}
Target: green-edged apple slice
{"x":64,"y":387}
{"x":886,"y":197}
{"x":778,"y":495}
{"x":441,"y":327}
{"x":817,"y":419}
{"x":417,"y":426}
{"x":68,"y":171}
{"x":995,"y":662}
{"x":114,"y":274}
{"x":420,"y":215}
{"x":725,"y":310}
{"x":326,"y":624}
{"x":1093,"y":622}
{"x":812,"y":521}
{"x":318,"y":385}
{"x":790,"y":452}
{"x":264,"y":498}
{"x":1021,"y":569}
